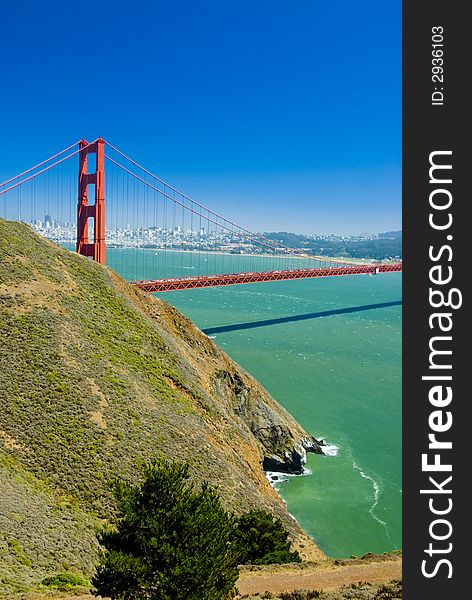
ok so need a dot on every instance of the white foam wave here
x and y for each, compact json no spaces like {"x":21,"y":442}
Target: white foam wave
{"x":276,"y":477}
{"x":330,"y":449}
{"x":376,"y":492}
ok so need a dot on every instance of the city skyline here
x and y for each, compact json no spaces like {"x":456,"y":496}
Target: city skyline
{"x":50,"y":222}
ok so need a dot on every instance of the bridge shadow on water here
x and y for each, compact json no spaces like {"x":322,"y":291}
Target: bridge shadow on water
{"x":294,"y":318}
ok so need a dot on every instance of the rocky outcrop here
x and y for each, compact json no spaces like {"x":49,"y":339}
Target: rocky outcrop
{"x":283,"y":443}
{"x":292,"y":458}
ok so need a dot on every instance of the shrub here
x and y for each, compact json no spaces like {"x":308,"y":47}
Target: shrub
{"x":300,"y":595}
{"x":170,"y":543}
{"x":262,"y":539}
{"x":64,"y":581}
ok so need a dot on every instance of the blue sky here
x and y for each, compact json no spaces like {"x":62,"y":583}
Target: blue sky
{"x":279,"y":115}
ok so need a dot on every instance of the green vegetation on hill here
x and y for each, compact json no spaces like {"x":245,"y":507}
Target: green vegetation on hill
{"x":97,"y":378}
{"x":263,"y":540}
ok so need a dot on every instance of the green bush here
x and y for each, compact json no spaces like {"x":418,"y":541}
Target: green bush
{"x":64,"y":581}
{"x":263,"y":540}
{"x":170,"y":543}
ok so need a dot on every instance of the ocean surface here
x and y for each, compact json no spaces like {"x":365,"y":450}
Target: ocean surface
{"x":329,"y":351}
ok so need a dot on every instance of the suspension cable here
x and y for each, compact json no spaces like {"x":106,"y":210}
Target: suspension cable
{"x":218,"y":216}
{"x":39,"y":164}
{"x":263,"y":240}
{"x":262,"y":243}
{"x":58,"y":162}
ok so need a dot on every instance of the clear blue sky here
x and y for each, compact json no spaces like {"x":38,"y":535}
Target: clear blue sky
{"x":280,"y":115}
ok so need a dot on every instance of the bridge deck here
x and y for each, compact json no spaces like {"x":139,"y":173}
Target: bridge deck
{"x":190,"y":283}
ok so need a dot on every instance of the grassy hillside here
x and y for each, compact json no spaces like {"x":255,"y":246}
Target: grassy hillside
{"x":97,"y":377}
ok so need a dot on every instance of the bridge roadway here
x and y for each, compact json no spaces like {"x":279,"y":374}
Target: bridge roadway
{"x":205,"y":281}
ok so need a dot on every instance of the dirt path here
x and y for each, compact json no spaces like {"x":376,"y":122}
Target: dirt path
{"x":326,"y":578}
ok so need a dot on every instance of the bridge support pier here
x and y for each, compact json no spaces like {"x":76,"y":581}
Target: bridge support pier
{"x":96,"y":248}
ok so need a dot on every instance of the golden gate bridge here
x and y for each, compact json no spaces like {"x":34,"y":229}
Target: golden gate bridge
{"x":162,"y":229}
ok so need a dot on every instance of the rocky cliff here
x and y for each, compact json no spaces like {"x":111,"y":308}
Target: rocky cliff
{"x":97,"y":377}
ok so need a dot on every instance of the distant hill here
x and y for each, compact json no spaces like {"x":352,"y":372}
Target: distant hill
{"x":387,"y":245}
{"x":97,"y":377}
{"x":390,"y":234}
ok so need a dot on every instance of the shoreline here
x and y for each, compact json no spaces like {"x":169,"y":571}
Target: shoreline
{"x":319,"y":258}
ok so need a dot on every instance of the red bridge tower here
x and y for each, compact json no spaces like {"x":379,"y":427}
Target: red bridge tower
{"x":97,"y":248}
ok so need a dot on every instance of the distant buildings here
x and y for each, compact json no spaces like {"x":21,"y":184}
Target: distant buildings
{"x":179,"y":238}
{"x":176,"y":237}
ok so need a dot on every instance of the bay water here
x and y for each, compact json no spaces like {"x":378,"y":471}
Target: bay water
{"x":329,"y":351}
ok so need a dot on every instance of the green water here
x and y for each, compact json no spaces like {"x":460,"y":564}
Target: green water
{"x":338,"y":374}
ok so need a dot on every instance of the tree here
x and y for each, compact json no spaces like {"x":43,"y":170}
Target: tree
{"x":263,"y":539}
{"x":171,"y":542}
